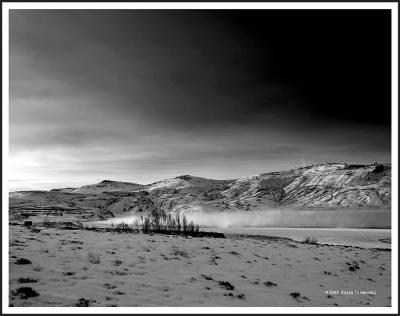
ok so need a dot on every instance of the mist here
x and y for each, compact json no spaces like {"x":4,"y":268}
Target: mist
{"x":348,"y":218}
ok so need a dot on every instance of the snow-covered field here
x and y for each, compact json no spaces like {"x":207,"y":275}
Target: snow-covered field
{"x":364,"y":238}
{"x":356,"y":237}
{"x":88,"y":268}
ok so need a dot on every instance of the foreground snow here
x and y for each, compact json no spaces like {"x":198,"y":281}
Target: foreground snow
{"x":157,"y":270}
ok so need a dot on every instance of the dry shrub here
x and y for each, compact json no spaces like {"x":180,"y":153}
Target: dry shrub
{"x":93,"y":258}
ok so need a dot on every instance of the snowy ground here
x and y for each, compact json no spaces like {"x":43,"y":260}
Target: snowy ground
{"x":357,"y":237}
{"x":111,"y":269}
{"x":365,"y":238}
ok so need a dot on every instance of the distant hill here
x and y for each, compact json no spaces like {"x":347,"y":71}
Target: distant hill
{"x":107,"y":186}
{"x":322,"y":186}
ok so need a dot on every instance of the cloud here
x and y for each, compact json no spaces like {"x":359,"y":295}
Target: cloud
{"x":143,"y":95}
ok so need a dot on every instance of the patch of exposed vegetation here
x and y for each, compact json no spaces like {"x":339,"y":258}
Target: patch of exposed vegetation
{"x":93,"y":258}
{"x":159,"y":221}
{"x":226,"y":285}
{"x":83,"y":302}
{"x":27,"y":280}
{"x":25,"y":292}
{"x":353,"y":266}
{"x":207,"y":277}
{"x":23,"y":261}
{"x":109,"y":286}
{"x":178,"y":252}
{"x":298,"y":297}
{"x":270,"y":284}
{"x":310,"y":240}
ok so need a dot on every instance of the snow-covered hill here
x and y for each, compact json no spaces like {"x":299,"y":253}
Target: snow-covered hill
{"x":323,"y":186}
{"x":107,"y":186}
{"x":329,"y":185}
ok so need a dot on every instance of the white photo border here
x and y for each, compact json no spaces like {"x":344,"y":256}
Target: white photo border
{"x":7,"y":6}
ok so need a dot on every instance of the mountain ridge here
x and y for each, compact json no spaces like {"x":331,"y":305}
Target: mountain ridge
{"x":320,"y":186}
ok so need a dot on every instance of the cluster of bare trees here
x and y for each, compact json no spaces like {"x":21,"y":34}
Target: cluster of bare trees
{"x":159,"y":221}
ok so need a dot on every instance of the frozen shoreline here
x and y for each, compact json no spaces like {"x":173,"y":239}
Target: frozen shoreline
{"x":355,"y":237}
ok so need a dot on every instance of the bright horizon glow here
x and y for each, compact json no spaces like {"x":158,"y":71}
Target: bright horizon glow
{"x":19,"y":179}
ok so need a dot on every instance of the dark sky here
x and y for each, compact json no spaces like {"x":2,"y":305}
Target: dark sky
{"x":141,"y":95}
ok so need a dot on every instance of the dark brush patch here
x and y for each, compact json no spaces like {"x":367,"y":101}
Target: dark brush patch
{"x":27,"y":280}
{"x":25,"y":293}
{"x":227,"y":285}
{"x":270,"y":284}
{"x":207,"y":277}
{"x":23,"y":261}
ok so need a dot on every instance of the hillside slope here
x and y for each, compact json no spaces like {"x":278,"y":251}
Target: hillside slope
{"x":107,"y":186}
{"x":328,"y":185}
{"x":323,"y":186}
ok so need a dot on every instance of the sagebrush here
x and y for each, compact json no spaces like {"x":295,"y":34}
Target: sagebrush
{"x":159,"y":221}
